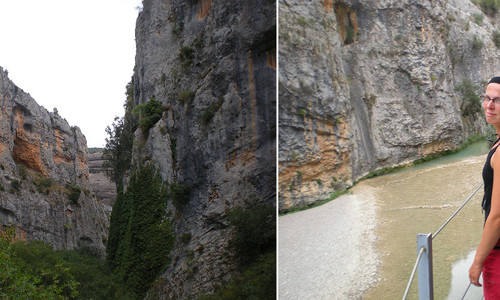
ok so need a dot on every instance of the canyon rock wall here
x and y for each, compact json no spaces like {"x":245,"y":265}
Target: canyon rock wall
{"x":101,"y":185}
{"x":212,"y":66}
{"x":44,"y":187}
{"x":366,"y":85}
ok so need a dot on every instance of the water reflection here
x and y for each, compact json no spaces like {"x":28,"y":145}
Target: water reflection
{"x":460,"y":280}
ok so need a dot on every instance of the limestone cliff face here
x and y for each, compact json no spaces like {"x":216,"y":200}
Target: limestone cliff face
{"x":212,"y":65}
{"x":365,"y":85}
{"x":44,"y":187}
{"x":101,"y":185}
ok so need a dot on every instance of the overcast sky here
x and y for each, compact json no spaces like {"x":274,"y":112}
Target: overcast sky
{"x":73,"y":55}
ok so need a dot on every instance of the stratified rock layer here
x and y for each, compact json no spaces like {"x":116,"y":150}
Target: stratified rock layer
{"x":375,"y":84}
{"x":101,"y":185}
{"x":44,"y":188}
{"x":212,"y":65}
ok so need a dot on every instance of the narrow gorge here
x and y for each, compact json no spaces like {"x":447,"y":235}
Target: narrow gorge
{"x":192,"y":160}
{"x":370,"y":85}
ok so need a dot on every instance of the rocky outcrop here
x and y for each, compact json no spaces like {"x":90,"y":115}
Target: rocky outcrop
{"x":375,"y":84}
{"x":44,"y":187}
{"x":104,"y":188}
{"x":212,"y":66}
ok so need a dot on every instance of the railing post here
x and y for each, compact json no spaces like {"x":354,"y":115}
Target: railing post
{"x":425,"y":279}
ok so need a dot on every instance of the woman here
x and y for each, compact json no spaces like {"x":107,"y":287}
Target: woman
{"x":487,"y":259}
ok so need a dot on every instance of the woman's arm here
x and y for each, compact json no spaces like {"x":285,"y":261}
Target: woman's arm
{"x":491,"y":231}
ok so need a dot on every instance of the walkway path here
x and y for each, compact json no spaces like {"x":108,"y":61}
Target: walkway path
{"x":328,"y":252}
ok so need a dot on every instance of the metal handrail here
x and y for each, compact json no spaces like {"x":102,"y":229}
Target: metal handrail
{"x":456,"y":212}
{"x":422,"y":249}
{"x":468,"y":287}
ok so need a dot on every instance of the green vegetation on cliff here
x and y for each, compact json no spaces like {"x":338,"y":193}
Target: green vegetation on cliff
{"x":255,"y":247}
{"x":149,"y":112}
{"x":140,"y":234}
{"x":117,"y":154}
{"x":471,"y":104}
{"x":489,"y":7}
{"x":255,"y":232}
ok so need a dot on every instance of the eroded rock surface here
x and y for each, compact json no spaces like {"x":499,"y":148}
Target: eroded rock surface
{"x":101,"y":185}
{"x":44,"y":175}
{"x":212,"y":65}
{"x":375,"y":84}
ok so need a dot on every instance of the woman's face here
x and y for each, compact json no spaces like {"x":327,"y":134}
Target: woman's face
{"x":492,"y":110}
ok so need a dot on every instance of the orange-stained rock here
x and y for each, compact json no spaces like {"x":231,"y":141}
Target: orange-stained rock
{"x":204,"y":8}
{"x":328,"y":4}
{"x":271,"y":58}
{"x":347,"y":21}
{"x":316,"y":175}
{"x":28,"y":153}
{"x":40,"y":154}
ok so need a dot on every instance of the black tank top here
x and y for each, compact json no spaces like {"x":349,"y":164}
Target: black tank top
{"x":488,"y":182}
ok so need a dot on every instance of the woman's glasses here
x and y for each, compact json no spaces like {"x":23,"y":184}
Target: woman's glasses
{"x":495,"y":101}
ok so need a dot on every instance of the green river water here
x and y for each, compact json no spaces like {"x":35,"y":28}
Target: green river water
{"x":420,"y":199}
